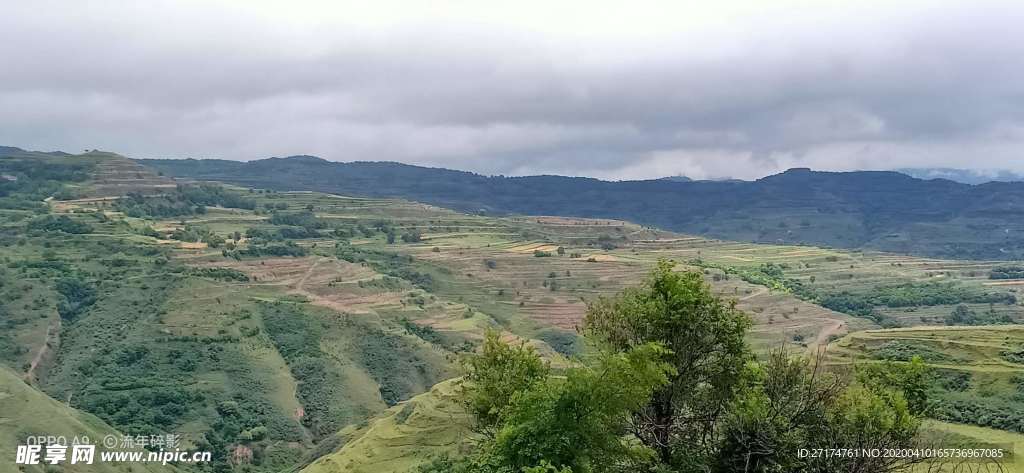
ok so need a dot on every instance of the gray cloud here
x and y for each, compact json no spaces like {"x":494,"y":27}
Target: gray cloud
{"x":720,"y":94}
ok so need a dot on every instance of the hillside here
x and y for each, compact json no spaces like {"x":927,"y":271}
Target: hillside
{"x":428,"y":426}
{"x":272,"y":326}
{"x":980,"y":369}
{"x":24,"y":411}
{"x":884,"y":211}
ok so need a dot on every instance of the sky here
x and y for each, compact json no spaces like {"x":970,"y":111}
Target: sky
{"x":623,"y":90}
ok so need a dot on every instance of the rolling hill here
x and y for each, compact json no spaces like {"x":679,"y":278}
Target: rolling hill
{"x":305,"y":329}
{"x":885,"y":211}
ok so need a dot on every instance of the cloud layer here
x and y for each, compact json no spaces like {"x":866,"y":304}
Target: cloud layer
{"x":614,"y":91}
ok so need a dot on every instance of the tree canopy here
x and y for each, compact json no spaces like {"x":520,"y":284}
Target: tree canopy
{"x":671,"y":386}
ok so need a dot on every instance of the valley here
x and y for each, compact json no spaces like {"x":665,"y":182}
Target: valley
{"x":287,"y":330}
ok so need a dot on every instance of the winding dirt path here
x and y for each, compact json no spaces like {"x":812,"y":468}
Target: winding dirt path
{"x":52,"y":334}
{"x":761,"y":290}
{"x":822,"y":339}
{"x":309,"y":272}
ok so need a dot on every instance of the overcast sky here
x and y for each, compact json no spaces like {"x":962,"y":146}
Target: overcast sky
{"x":617,"y":91}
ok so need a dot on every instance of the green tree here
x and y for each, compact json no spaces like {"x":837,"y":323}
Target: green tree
{"x":912,"y":380}
{"x":537,"y":422}
{"x":789,"y":403}
{"x":412,"y":236}
{"x":77,"y":296}
{"x":961,"y":315}
{"x":864,"y":418}
{"x":580,"y":421}
{"x":495,"y":375}
{"x":705,"y":338}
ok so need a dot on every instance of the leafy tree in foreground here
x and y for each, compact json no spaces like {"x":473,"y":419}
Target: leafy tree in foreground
{"x":495,"y":376}
{"x":578,"y":422}
{"x":705,"y":337}
{"x":792,"y":404}
{"x":673,"y":388}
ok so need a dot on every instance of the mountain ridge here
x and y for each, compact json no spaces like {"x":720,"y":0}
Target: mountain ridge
{"x":875,"y":210}
{"x":881,"y":210}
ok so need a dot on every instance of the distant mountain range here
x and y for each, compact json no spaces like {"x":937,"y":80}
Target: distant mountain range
{"x":879,"y":210}
{"x":882,"y":210}
{"x":966,"y":176}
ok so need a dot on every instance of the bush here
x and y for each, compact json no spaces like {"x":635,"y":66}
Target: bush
{"x":297,"y":219}
{"x":901,"y":351}
{"x":185,"y":200}
{"x":562,"y":341}
{"x":1014,"y":356}
{"x":413,"y":236}
{"x":77,"y":296}
{"x":288,"y":248}
{"x":912,"y":295}
{"x":1007,"y":272}
{"x":62,"y":223}
{"x":220,"y":274}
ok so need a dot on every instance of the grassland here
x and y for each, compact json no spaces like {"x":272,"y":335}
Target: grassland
{"x":428,"y":426}
{"x":948,"y":434}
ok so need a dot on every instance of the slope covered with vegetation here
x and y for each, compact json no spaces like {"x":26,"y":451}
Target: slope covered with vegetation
{"x":271,"y":326}
{"x":878,"y":210}
{"x":979,"y":371}
{"x":26,"y":412}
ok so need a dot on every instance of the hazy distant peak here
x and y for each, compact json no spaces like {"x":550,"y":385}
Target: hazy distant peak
{"x":965,"y":176}
{"x":304,"y":158}
{"x":679,"y":178}
{"x":10,"y":149}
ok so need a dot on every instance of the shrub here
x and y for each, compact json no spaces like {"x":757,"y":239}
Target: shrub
{"x":1007,"y":272}
{"x":62,"y":223}
{"x":77,"y":297}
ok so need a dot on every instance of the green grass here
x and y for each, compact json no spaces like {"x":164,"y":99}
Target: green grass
{"x":969,"y":436}
{"x":24,"y":412}
{"x":406,"y":436}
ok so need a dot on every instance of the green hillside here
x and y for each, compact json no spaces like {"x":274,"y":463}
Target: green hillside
{"x":979,"y":371}
{"x":428,"y":426}
{"x":972,"y":435}
{"x":24,"y":412}
{"x":270,"y":327}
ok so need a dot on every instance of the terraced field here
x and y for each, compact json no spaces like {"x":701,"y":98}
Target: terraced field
{"x":499,"y":269}
{"x":116,"y":175}
{"x":979,"y":370}
{"x":505,"y":271}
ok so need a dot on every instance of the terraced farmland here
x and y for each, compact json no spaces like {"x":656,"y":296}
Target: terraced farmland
{"x":979,"y":370}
